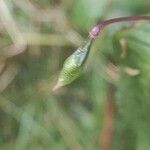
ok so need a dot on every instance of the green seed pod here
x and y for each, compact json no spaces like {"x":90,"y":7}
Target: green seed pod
{"x":74,"y":64}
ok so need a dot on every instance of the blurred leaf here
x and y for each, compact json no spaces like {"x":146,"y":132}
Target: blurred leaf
{"x":86,"y":12}
{"x":133,"y":91}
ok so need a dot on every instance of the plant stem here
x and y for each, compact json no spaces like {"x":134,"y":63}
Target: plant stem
{"x":97,"y":29}
{"x":106,"y":135}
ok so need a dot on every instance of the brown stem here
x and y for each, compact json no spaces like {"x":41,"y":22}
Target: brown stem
{"x":97,"y":29}
{"x":107,"y":129}
{"x":122,"y":19}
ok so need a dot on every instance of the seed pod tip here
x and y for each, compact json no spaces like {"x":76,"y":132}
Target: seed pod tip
{"x":56,"y":87}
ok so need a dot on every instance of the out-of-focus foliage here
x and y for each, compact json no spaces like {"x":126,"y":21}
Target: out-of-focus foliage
{"x":35,"y":38}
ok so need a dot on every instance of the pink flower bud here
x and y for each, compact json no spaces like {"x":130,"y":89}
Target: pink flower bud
{"x":94,"y":32}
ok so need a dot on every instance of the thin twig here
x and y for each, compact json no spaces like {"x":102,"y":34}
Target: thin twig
{"x":9,"y":23}
{"x":46,"y":39}
{"x":107,"y":130}
{"x":99,"y":27}
{"x":19,"y":43}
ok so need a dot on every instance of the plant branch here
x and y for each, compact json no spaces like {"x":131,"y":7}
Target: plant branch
{"x":99,"y":27}
{"x":106,"y":135}
{"x":10,"y":24}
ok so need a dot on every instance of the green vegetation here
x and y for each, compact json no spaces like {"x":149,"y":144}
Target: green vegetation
{"x":106,"y":108}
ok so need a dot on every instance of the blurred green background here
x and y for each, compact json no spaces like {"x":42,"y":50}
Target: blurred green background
{"x":106,"y":108}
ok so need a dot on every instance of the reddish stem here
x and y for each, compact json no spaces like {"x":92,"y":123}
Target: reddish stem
{"x":106,"y":135}
{"x":96,"y":29}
